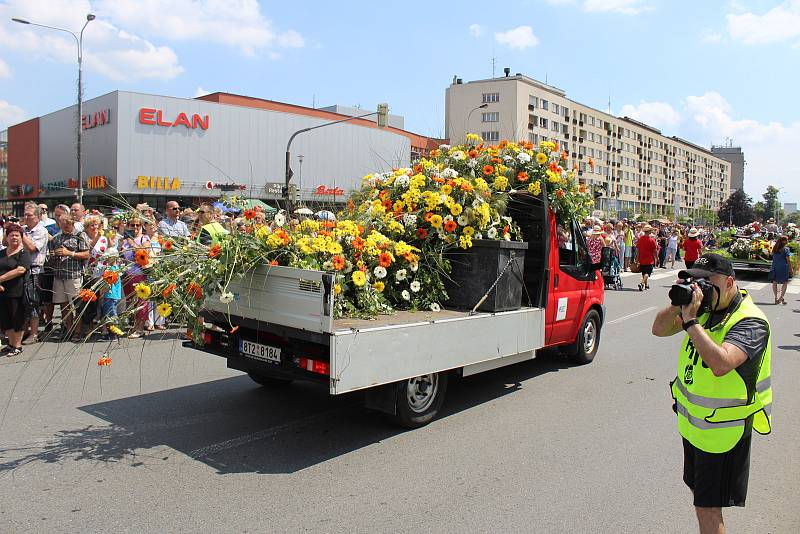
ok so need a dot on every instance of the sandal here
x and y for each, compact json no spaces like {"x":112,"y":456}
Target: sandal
{"x":15,"y":351}
{"x":641,"y":286}
{"x":134,"y":335}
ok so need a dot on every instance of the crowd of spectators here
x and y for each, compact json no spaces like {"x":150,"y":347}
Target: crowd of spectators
{"x":45,"y":262}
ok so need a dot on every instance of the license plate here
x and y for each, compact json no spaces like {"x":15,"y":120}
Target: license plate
{"x":257,"y":351}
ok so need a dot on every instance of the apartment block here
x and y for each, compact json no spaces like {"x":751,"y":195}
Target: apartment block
{"x":639,"y":169}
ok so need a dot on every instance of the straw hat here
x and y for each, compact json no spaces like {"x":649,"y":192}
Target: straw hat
{"x":647,"y":228}
{"x":597,"y":230}
{"x":694,"y":232}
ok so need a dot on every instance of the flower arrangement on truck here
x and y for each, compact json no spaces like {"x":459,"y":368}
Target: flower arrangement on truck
{"x":424,"y":276}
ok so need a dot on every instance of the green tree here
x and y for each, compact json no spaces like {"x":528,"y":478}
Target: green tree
{"x":772,"y":207}
{"x":738,"y":208}
{"x":760,"y":211}
{"x":793,"y":218}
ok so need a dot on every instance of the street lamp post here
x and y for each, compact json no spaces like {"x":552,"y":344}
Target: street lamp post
{"x":300,"y":178}
{"x":469,"y":115}
{"x":79,"y":42}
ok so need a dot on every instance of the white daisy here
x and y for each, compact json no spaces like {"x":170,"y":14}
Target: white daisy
{"x":401,"y":181}
{"x":478,"y":235}
{"x":327,"y":265}
{"x":449,"y":173}
{"x":413,"y":266}
{"x":458,"y":155}
{"x":447,"y":218}
{"x":523,"y":157}
{"x":491,"y":233}
{"x":226,"y":297}
{"x":410,"y":219}
{"x":406,"y":295}
{"x":380,"y":272}
{"x":472,"y":163}
{"x":401,"y":275}
{"x":444,"y":147}
{"x":280,"y":219}
{"x":462,"y":220}
{"x":415,"y":286}
{"x":435,"y":307}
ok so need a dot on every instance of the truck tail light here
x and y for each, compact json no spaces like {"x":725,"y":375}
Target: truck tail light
{"x":315,"y":366}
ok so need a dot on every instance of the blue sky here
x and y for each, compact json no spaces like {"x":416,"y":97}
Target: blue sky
{"x":703,"y":70}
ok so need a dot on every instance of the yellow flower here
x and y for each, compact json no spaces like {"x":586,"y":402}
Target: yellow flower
{"x":500,"y":183}
{"x":541,"y":158}
{"x":436,"y":221}
{"x":164,"y":310}
{"x":143,"y":291}
{"x":337,"y":289}
{"x":468,"y":231}
{"x":359,"y":278}
{"x":456,"y":209}
{"x":379,"y":286}
{"x":115,"y":330}
{"x":465,"y":242}
{"x":535,"y":188}
{"x":446,"y":189}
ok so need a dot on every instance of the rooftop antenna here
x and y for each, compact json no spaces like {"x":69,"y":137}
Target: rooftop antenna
{"x":314,"y":101}
{"x":494,"y":64}
{"x":609,"y":101}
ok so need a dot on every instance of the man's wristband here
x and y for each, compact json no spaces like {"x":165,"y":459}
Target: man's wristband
{"x":689,"y":323}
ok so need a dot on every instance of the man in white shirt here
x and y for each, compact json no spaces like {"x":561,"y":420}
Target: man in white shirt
{"x":35,"y":239}
{"x":171,"y":225}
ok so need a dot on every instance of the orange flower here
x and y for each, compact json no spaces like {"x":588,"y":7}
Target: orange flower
{"x":249,"y":214}
{"x":422,"y":233}
{"x":351,"y":206}
{"x":338,"y":262}
{"x":417,"y":168}
{"x":168,"y":291}
{"x":358,"y":243}
{"x":522,"y":176}
{"x":488,"y":170}
{"x":327,"y":224}
{"x":556,"y":148}
{"x":280,"y":232}
{"x":104,"y":361}
{"x":387,"y":204}
{"x":87,"y":295}
{"x":582,"y":188}
{"x":564,"y":155}
{"x":274,"y":262}
{"x":110,"y":277}
{"x":168,"y":244}
{"x":194,"y":290}
{"x":503,"y":144}
{"x":438,"y":180}
{"x":560,"y":193}
{"x":142,"y":257}
{"x":214,"y":251}
{"x":528,"y":146}
{"x":591,"y":163}
{"x":385,"y":259}
{"x":473,"y":153}
{"x":496,"y":160}
{"x":428,"y":216}
{"x":450,"y":225}
{"x":553,"y":166}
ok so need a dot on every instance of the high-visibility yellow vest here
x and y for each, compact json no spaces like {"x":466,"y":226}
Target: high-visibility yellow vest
{"x":712,"y":410}
{"x":215,"y":230}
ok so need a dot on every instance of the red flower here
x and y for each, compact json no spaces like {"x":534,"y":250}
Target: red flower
{"x":422,"y":233}
{"x":560,"y":193}
{"x":274,"y":262}
{"x":168,"y":291}
{"x":249,"y":214}
{"x":104,"y":361}
{"x":110,"y":277}
{"x":214,"y":251}
{"x":142,"y":257}
{"x":450,"y":225}
{"x":87,"y":295}
{"x":194,"y":290}
{"x":168,"y":244}
{"x":385,"y":259}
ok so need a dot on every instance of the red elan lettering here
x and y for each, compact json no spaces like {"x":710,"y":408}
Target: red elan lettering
{"x":183,"y":120}
{"x":146,"y":116}
{"x":160,"y":121}
{"x":198,"y":121}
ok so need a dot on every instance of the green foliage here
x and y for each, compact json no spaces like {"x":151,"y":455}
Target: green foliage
{"x":737,"y":208}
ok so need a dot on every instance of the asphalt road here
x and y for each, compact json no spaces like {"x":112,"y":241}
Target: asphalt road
{"x":169,"y":440}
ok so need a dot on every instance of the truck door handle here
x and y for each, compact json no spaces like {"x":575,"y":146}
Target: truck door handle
{"x":555,"y":280}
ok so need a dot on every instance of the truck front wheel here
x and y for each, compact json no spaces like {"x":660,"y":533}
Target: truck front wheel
{"x":585,"y":347}
{"x":419,"y":399}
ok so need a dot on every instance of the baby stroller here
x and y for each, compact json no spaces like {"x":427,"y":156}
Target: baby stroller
{"x":609,"y":265}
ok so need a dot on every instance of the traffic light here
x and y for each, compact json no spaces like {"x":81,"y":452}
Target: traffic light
{"x":383,"y":115}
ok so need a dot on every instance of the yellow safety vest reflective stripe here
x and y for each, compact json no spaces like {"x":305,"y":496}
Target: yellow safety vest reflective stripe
{"x":712,"y":411}
{"x":215,"y":230}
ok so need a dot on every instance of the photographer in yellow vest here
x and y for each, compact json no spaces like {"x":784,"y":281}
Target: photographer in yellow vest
{"x":722,"y":390}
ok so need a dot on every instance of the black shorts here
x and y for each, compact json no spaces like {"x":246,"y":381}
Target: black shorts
{"x":717,"y":480}
{"x":45,"y":287}
{"x":646,"y":269}
{"x":13,"y":314}
{"x":689,"y":264}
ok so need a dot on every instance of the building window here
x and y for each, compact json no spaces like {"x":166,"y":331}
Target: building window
{"x":489,"y":98}
{"x":533,"y":101}
{"x":492,"y":116}
{"x":555,"y":108}
{"x":544,"y":104}
{"x":543,"y":122}
{"x":555,"y":126}
{"x":491,"y":137}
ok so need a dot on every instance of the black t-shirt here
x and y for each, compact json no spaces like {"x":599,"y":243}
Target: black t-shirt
{"x":13,"y":287}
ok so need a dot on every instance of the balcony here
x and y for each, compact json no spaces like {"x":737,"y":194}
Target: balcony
{"x":530,"y":126}
{"x":531,"y":107}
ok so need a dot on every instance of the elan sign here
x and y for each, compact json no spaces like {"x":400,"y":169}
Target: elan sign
{"x":155,"y":117}
{"x":98,"y":118}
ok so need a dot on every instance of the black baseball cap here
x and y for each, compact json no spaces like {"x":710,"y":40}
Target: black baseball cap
{"x":706,"y":265}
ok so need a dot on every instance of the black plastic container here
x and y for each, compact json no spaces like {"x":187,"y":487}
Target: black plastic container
{"x":476,"y":269}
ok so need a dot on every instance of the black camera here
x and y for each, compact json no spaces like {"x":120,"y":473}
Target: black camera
{"x":681,"y":294}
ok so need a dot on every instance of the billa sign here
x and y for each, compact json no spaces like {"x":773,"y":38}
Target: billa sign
{"x":96,"y":182}
{"x":322,"y":190}
{"x":98,"y":118}
{"x":155,"y":117}
{"x":158,"y":183}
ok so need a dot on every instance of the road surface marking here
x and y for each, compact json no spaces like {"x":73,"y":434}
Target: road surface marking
{"x":664,"y":275}
{"x":755,"y":286}
{"x":793,"y":290}
{"x":640,"y":312}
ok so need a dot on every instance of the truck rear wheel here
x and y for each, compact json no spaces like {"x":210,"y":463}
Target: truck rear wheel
{"x":585,"y":347}
{"x":268,"y":381}
{"x":419,"y":399}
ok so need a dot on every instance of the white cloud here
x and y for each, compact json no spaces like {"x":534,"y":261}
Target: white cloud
{"x":236,"y":23}
{"x":5,"y":70}
{"x":710,"y":36}
{"x":781,"y":23}
{"x":626,"y":7}
{"x":475,"y":30}
{"x":108,"y":50}
{"x":658,"y":114}
{"x":559,"y":2}
{"x":10,"y":114}
{"x":200,"y":92}
{"x":711,"y":120}
{"x":518,"y":38}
